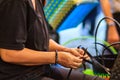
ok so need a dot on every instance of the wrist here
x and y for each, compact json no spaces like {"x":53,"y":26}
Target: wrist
{"x":61,"y":57}
{"x":56,"y":56}
{"x":65,"y":49}
{"x":111,"y":24}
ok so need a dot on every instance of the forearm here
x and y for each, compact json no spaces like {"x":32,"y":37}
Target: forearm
{"x":55,"y":46}
{"x":27,"y":57}
{"x":112,"y":31}
{"x":105,"y":4}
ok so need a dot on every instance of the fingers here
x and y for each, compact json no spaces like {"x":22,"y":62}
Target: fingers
{"x":77,"y":52}
{"x":76,"y":65}
{"x":83,"y":55}
{"x":80,"y":51}
{"x":68,"y":60}
{"x":76,"y":62}
{"x":86,"y":57}
{"x":74,"y":58}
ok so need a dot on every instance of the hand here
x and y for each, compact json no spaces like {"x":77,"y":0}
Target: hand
{"x":68,"y":60}
{"x":75,"y":51}
{"x":82,"y":54}
{"x":86,"y":57}
{"x":78,"y":52}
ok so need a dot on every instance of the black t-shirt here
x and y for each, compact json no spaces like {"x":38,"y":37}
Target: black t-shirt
{"x":20,"y":27}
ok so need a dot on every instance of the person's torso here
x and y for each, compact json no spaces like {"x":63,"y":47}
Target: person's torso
{"x":37,"y":39}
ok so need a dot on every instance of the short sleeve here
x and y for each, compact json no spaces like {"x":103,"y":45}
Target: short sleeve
{"x":13,"y":21}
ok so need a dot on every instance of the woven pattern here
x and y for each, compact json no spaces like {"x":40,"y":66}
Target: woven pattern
{"x":116,"y":69}
{"x":57,"y":10}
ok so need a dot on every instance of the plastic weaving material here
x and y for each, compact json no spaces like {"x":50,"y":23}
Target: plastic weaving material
{"x":77,"y":15}
{"x":115,"y":73}
{"x":56,"y":11}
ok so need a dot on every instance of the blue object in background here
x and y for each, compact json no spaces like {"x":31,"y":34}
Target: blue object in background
{"x":77,"y":16}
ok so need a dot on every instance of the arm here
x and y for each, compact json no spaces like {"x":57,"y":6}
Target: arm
{"x":28,"y":57}
{"x":55,"y":46}
{"x":105,"y":4}
{"x":112,"y":31}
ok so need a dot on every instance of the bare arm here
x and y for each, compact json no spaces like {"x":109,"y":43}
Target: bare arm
{"x":27,"y":57}
{"x":112,"y":31}
{"x":55,"y":46}
{"x":105,"y":4}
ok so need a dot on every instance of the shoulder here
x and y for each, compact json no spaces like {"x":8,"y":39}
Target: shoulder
{"x":8,"y":8}
{"x":12,"y":4}
{"x":8,"y":2}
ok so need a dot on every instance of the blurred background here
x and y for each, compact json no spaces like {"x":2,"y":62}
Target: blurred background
{"x":74,"y":22}
{"x":77,"y":22}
